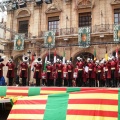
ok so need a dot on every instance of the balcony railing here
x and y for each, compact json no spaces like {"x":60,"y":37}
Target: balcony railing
{"x":25,"y":36}
{"x":63,"y":32}
{"x":103,"y":28}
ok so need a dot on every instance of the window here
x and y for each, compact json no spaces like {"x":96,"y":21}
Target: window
{"x":84,"y":19}
{"x":23,"y":26}
{"x":53,"y":23}
{"x":117,"y":16}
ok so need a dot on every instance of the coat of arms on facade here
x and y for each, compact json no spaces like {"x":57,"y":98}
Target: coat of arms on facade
{"x":84,"y":37}
{"x":49,"y":39}
{"x":117,"y":32}
{"x":19,"y":42}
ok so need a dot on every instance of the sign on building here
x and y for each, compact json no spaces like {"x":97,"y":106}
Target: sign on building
{"x":84,"y":37}
{"x":49,"y":39}
{"x":19,"y":42}
{"x":116,"y":32}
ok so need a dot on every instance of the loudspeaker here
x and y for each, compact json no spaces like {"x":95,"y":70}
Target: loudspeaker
{"x":48,"y":1}
{"x":15,"y":6}
{"x":39,"y":2}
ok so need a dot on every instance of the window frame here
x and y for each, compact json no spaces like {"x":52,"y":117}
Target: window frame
{"x":117,"y":12}
{"x":84,"y":19}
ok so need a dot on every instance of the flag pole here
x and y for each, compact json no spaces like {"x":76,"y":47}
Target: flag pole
{"x":49,"y":53}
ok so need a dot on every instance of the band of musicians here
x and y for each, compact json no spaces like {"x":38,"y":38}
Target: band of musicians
{"x":85,"y":73}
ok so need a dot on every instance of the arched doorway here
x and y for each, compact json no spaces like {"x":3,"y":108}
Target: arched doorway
{"x":84,"y":56}
{"x":17,"y":62}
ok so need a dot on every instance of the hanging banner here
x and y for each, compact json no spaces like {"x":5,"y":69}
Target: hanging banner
{"x":84,"y":37}
{"x":116,"y":32}
{"x":19,"y":42}
{"x":49,"y":39}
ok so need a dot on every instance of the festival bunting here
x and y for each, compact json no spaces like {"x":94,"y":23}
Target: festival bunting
{"x":117,"y":32}
{"x":19,"y":42}
{"x":49,"y":39}
{"x":84,"y":37}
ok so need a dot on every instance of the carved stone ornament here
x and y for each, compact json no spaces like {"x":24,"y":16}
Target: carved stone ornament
{"x":53,"y":9}
{"x":114,"y":2}
{"x":85,"y":4}
{"x":23,"y":12}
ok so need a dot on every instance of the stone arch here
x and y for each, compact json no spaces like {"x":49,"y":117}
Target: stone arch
{"x":23,"y":12}
{"x":53,"y":9}
{"x":17,"y":60}
{"x":83,"y":55}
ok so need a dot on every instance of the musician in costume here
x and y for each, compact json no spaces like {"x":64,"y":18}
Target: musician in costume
{"x":65,"y":75}
{"x":70,"y":72}
{"x":80,"y":65}
{"x":37,"y":72}
{"x":24,"y":70}
{"x":49,"y":73}
{"x":91,"y":72}
{"x":10,"y":73}
{"x":59,"y":67}
{"x":1,"y":67}
{"x":99,"y":73}
{"x":107,"y":66}
{"x":113,"y":66}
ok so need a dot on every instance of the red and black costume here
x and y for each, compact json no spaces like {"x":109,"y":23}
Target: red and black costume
{"x":107,"y":66}
{"x":24,"y":72}
{"x":99,"y":73}
{"x":91,"y":73}
{"x":1,"y":69}
{"x":113,"y":72}
{"x":49,"y":75}
{"x":10,"y":72}
{"x":59,"y":67}
{"x":70,"y":74}
{"x":80,"y":65}
{"x":37,"y":73}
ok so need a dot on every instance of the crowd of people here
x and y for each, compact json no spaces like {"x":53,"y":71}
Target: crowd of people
{"x":91,"y":73}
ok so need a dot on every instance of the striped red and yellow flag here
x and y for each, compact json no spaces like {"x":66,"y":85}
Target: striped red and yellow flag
{"x":87,"y":104}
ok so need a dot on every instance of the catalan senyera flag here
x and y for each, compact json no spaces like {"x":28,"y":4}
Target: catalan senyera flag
{"x":13,"y":92}
{"x":89,"y":104}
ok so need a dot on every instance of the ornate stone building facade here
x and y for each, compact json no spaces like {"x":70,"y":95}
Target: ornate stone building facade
{"x":64,"y":17}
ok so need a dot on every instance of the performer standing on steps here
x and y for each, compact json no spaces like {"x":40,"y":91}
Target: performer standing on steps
{"x":49,"y":73}
{"x":70,"y":73}
{"x":24,"y":70}
{"x":113,"y":66}
{"x":37,"y":72}
{"x":1,"y":67}
{"x":59,"y":67}
{"x":80,"y":65}
{"x":10,"y":72}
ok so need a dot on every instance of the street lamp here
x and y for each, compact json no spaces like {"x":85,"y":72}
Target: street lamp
{"x":29,"y":52}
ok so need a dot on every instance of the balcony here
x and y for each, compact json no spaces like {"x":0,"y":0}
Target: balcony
{"x":63,"y":32}
{"x":103,"y":28}
{"x":25,"y":35}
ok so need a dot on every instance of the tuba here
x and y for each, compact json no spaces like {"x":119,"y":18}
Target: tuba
{"x":39,"y":60}
{"x":10,"y":60}
{"x":25,"y":58}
